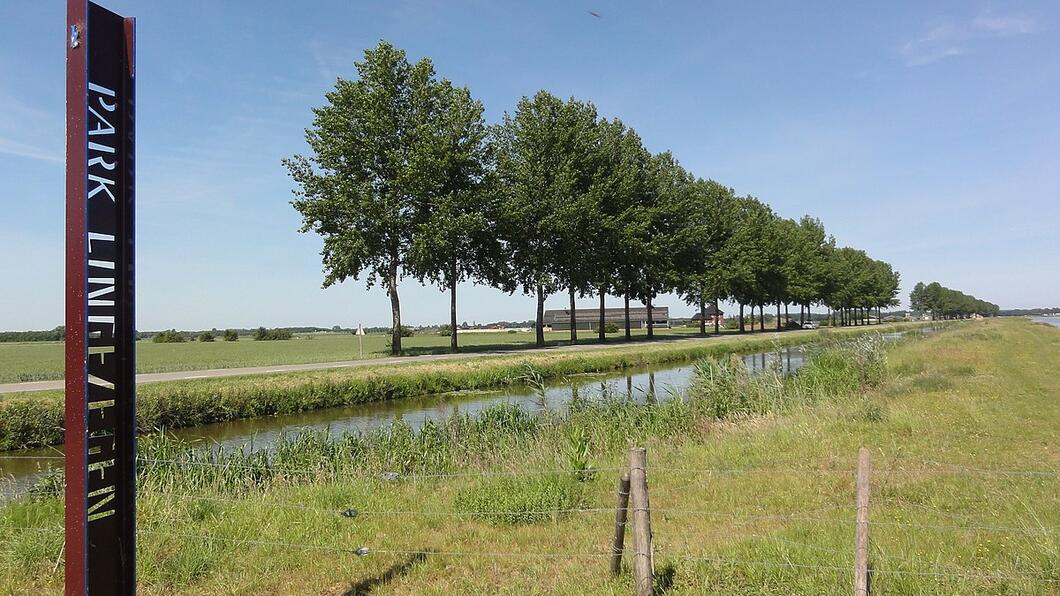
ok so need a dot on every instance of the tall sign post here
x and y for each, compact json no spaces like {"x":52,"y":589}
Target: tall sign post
{"x":100,"y":323}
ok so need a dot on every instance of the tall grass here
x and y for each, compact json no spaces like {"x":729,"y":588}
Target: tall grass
{"x":723,"y":389}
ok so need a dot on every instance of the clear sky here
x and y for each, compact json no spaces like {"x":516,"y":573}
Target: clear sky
{"x":927,"y":134}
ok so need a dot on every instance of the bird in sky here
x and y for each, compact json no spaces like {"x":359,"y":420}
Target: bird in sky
{"x":595,"y":14}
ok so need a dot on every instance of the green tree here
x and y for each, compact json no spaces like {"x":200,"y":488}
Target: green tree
{"x":661,"y":216}
{"x":917,"y":300}
{"x":808,"y":277}
{"x":538,"y":175}
{"x":744,"y":255}
{"x":456,"y":237}
{"x":625,"y":224}
{"x":618,"y":184}
{"x":576,"y":214}
{"x":698,"y":245}
{"x":373,"y":169}
{"x":230,"y":335}
{"x":206,"y":336}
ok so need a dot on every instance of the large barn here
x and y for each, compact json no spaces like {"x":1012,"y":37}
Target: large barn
{"x":589,"y":318}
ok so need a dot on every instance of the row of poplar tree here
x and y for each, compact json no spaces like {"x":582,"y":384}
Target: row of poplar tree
{"x":405,"y":178}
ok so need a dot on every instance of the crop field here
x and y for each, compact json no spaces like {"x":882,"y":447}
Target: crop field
{"x":40,"y":361}
{"x":751,"y":484}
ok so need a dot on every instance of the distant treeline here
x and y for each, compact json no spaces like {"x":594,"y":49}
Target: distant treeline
{"x":245,"y":331}
{"x":1022,"y":312}
{"x":57,"y":334}
{"x":171,"y":335}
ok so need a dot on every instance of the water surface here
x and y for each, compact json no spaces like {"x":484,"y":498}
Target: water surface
{"x":646,"y":384}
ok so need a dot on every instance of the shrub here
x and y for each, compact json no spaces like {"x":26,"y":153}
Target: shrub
{"x":169,"y":336}
{"x":406,"y":331}
{"x":230,"y":335}
{"x":206,"y":336}
{"x":512,"y":331}
{"x":610,"y":327}
{"x":445,"y":330}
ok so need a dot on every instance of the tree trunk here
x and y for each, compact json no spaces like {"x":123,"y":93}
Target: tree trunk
{"x":717,"y":316}
{"x":742,"y":330}
{"x":761,"y":317}
{"x":573,"y":319}
{"x":603,"y":320}
{"x":395,"y":310}
{"x":702,"y":316}
{"x":802,"y":315}
{"x":540,"y":316}
{"x":453,"y":347}
{"x":787,"y":317}
{"x":778,"y":315}
{"x":651,"y":326}
{"x":628,"y":334}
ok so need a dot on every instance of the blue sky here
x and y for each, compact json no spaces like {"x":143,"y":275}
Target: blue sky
{"x":927,"y":134}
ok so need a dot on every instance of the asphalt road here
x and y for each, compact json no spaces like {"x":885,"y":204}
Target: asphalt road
{"x":283,"y":368}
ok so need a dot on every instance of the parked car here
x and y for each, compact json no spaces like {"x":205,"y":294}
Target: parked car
{"x":809,"y":325}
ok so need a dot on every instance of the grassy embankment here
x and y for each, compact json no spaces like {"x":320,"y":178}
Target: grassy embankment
{"x":35,"y":419}
{"x":751,"y":490}
{"x":41,"y":361}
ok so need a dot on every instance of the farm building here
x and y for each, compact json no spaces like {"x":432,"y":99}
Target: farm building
{"x":712,"y":314}
{"x":589,"y":318}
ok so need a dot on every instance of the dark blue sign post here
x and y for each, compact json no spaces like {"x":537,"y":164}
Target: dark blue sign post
{"x":100,"y":322}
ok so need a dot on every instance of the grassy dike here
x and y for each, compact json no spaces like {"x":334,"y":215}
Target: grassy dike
{"x":36,"y":420}
{"x":751,"y":489}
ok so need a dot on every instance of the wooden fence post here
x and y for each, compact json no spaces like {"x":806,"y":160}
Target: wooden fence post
{"x":621,"y":509}
{"x":861,"y":547}
{"x":642,"y":555}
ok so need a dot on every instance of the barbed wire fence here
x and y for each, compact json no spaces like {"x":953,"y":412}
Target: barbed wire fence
{"x":882,"y":562}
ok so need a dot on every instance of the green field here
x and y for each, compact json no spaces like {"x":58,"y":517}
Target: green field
{"x":40,"y":361}
{"x":748,"y":497}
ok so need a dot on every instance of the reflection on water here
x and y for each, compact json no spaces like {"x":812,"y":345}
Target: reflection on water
{"x":785,"y":361}
{"x":1054,"y":321}
{"x":643,"y":385}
